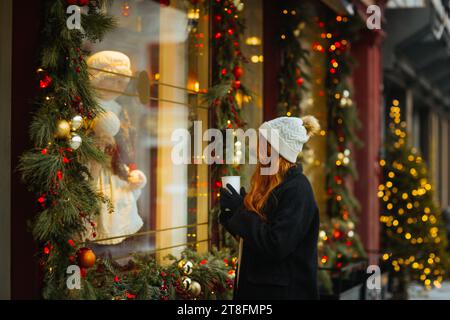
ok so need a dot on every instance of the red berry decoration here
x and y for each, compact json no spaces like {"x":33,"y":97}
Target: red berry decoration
{"x":238,"y":72}
{"x":237,"y":84}
{"x":300,"y":81}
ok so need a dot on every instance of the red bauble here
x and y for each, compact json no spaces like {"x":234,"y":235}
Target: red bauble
{"x":86,"y":258}
{"x":45,"y":81}
{"x":300,"y":81}
{"x":238,"y":72}
{"x":237,"y":84}
{"x":337,"y":234}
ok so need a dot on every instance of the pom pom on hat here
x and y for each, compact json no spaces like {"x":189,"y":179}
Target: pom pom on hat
{"x":287,"y":135}
{"x":311,"y":125}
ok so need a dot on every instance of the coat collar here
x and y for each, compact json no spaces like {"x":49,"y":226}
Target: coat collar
{"x":294,"y":171}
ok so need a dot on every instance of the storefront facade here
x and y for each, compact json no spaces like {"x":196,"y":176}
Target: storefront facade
{"x":166,"y":67}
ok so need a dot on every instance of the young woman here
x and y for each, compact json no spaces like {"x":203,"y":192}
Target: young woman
{"x":277,"y":220}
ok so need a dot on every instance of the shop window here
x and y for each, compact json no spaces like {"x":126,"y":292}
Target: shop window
{"x":148,"y":74}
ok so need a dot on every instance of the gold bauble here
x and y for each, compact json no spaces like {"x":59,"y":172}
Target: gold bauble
{"x":186,"y":266}
{"x":195,"y":288}
{"x":62,"y":129}
{"x":86,"y":258}
{"x":181,"y":264}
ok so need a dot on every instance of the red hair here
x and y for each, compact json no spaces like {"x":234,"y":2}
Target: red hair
{"x":262,"y":185}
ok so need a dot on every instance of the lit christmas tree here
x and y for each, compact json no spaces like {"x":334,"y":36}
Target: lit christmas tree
{"x":413,"y":238}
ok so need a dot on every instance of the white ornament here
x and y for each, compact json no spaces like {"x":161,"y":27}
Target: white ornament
{"x":187,"y":268}
{"x":106,"y":124}
{"x":75,"y":142}
{"x":76,"y":123}
{"x":186,"y":281}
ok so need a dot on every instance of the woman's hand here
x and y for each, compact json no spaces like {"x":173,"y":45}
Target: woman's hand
{"x":229,"y":203}
{"x":231,"y":199}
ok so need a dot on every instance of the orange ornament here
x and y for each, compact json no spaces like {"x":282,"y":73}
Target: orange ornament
{"x":86,"y":258}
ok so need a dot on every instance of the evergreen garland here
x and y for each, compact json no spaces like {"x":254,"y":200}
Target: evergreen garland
{"x":227,"y":70}
{"x":339,"y":242}
{"x":53,"y":169}
{"x":293,"y":17}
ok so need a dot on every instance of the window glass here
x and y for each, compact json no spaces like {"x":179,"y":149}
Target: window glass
{"x":147,"y":74}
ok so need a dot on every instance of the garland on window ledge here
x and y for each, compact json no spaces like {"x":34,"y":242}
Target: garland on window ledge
{"x":56,"y":171}
{"x":339,"y":243}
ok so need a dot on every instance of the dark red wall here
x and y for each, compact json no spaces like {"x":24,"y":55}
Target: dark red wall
{"x":367,"y":79}
{"x":271,"y":34}
{"x":25,"y":283}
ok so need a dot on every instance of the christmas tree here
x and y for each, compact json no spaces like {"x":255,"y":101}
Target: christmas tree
{"x":413,"y":238}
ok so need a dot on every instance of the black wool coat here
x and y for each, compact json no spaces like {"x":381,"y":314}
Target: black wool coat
{"x":279,"y":257}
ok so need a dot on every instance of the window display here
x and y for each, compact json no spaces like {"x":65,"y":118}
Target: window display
{"x":147,"y":75}
{"x":119,"y":181}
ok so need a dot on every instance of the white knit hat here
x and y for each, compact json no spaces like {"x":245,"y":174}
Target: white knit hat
{"x":287,"y":135}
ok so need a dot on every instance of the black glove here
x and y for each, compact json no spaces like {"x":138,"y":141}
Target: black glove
{"x":231,"y":200}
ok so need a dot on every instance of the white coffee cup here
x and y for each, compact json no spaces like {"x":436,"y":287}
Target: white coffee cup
{"x":235,"y":182}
